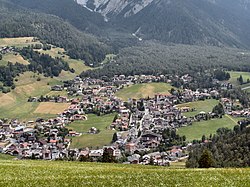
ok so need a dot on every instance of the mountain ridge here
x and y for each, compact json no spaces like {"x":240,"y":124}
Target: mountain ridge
{"x":222,"y":23}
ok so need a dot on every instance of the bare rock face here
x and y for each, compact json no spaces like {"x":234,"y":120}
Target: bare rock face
{"x":110,"y":8}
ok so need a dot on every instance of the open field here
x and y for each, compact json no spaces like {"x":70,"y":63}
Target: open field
{"x":11,"y":57}
{"x":206,"y":106}
{"x":46,"y":174}
{"x":15,"y":105}
{"x":143,"y":90}
{"x":51,"y":108}
{"x":17,"y":42}
{"x":198,"y":129}
{"x":178,"y":164}
{"x":236,"y":74}
{"x":245,"y":75}
{"x":93,"y":140}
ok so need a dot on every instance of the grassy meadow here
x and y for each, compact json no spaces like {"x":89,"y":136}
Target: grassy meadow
{"x":18,"y":42}
{"x":93,"y":140}
{"x":198,"y":129}
{"x":51,"y":108}
{"x":13,"y":58}
{"x":205,"y":106}
{"x":236,"y":74}
{"x":245,"y":75}
{"x":46,"y":174}
{"x":15,"y":105}
{"x":143,"y":90}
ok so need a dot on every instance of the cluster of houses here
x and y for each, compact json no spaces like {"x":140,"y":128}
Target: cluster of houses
{"x":139,"y":123}
{"x":6,"y":49}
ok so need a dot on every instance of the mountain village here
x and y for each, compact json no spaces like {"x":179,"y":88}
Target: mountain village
{"x":140,"y":126}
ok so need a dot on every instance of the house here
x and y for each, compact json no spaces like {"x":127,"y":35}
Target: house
{"x":130,"y":148}
{"x":95,"y":154}
{"x":134,"y":159}
{"x":62,"y":99}
{"x":57,"y":88}
{"x":149,"y":136}
{"x":93,"y":130}
{"x":112,"y":151}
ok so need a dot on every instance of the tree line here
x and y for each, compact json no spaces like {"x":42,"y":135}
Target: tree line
{"x":150,"y":58}
{"x":38,"y":63}
{"x":227,"y":148}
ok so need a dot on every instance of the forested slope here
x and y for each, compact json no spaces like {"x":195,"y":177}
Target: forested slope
{"x":17,"y":22}
{"x":229,"y":148}
{"x":152,"y":58}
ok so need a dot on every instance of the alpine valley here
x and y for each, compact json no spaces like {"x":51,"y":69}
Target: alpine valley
{"x":148,"y":82}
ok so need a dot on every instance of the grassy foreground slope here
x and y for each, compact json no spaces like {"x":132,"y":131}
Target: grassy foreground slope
{"x":40,"y":173}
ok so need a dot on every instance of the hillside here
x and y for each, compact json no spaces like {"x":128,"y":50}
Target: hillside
{"x":14,"y":104}
{"x":200,"y":22}
{"x":153,"y":58}
{"x":42,"y":173}
{"x":78,"y":16}
{"x":143,"y":91}
{"x":216,"y":23}
{"x":229,"y":148}
{"x":16,"y":21}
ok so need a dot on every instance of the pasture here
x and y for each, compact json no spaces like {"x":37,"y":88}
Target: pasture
{"x":15,"y":105}
{"x":59,"y":174}
{"x":245,"y":75}
{"x":199,"y":106}
{"x":198,"y":129}
{"x":13,"y":58}
{"x":51,"y":108}
{"x":236,"y":74}
{"x":93,"y":140}
{"x":143,"y":90}
{"x":18,"y":42}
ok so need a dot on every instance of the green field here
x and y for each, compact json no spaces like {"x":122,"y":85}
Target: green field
{"x":13,"y":58}
{"x":198,"y":129}
{"x":58,"y":174}
{"x":245,"y":75}
{"x":236,"y":74}
{"x":17,"y":42}
{"x":205,"y":106}
{"x":93,"y":140}
{"x":143,"y":90}
{"x":15,"y":105}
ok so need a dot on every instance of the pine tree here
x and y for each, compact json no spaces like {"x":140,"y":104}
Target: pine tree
{"x":114,"y":139}
{"x":241,"y":81}
{"x":206,"y":160}
{"x":151,"y":161}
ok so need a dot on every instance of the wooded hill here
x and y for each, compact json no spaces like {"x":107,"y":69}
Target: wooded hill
{"x":228,"y":148}
{"x":16,"y":21}
{"x":152,"y":58}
